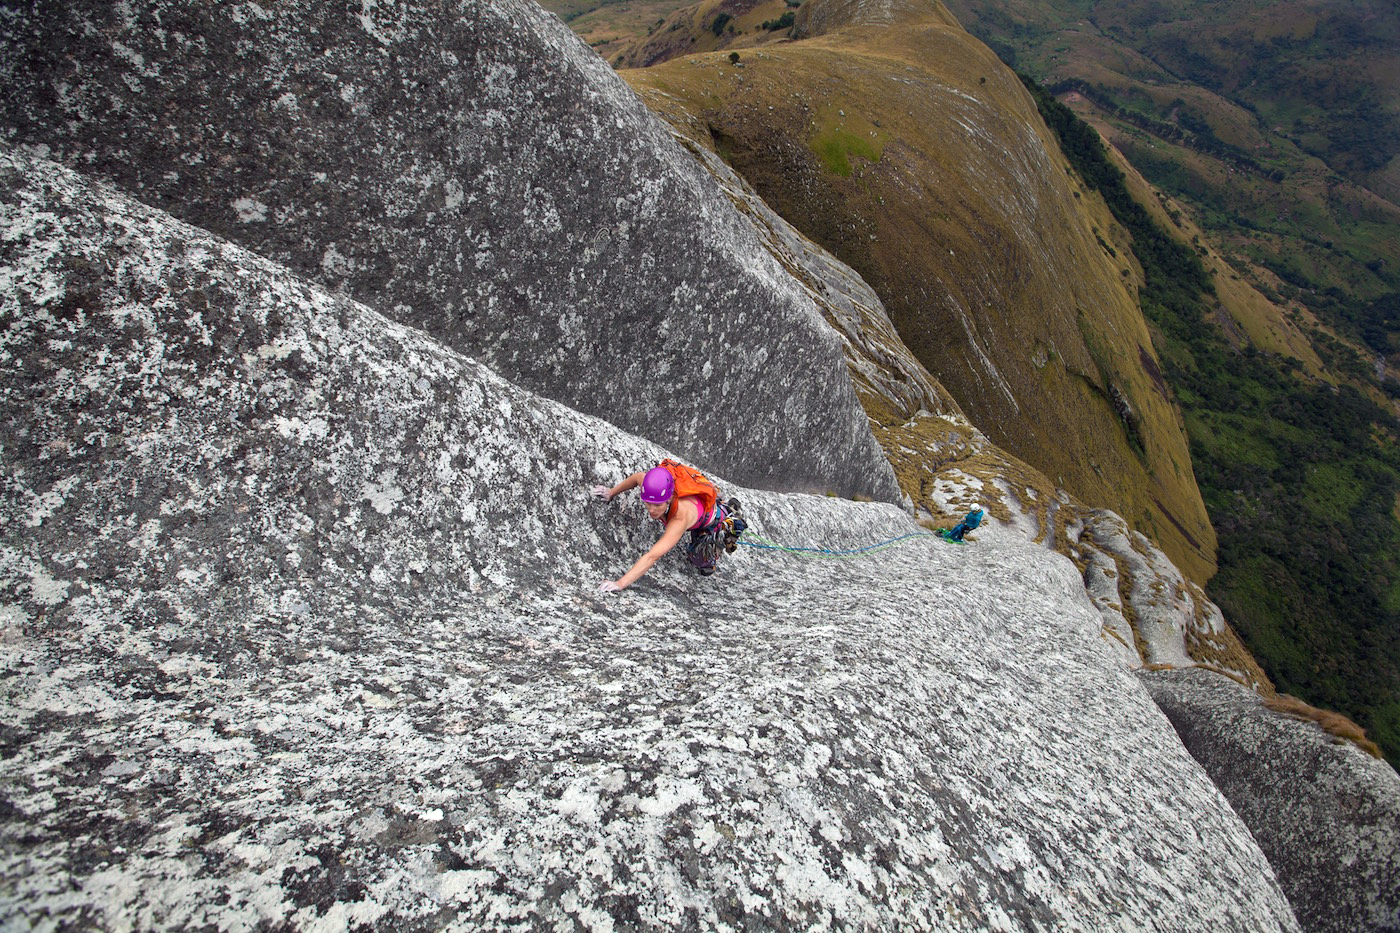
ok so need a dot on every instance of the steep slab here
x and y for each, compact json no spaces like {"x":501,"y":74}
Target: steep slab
{"x":299,"y":630}
{"x":1151,"y":614}
{"x":473,"y":170}
{"x":1326,"y":813}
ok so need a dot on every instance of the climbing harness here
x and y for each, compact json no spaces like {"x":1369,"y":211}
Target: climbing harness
{"x":705,"y":543}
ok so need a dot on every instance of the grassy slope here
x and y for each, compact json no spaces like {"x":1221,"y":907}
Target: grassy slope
{"x":1266,"y":123}
{"x":914,"y":155}
{"x":639,"y":33}
{"x":708,"y":26}
{"x":1301,"y":478}
{"x":1275,"y":124}
{"x":610,"y":26}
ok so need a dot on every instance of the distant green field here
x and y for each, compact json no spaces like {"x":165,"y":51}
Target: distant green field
{"x":835,"y":147}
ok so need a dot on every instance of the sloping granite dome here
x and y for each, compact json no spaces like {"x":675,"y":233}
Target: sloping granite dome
{"x":301,"y":630}
{"x":473,"y":170}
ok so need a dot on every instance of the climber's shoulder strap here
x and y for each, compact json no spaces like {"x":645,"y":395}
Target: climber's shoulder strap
{"x":691,"y":482}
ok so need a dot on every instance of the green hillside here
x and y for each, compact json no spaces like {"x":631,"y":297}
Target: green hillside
{"x":1301,"y":478}
{"x":1276,"y":127}
{"x":1276,"y":124}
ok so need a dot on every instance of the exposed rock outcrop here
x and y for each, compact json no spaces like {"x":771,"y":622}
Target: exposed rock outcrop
{"x":1326,"y":813}
{"x":471,"y":169}
{"x":299,"y":632}
{"x":298,"y":606}
{"x":1151,"y":614}
{"x":1159,"y":617}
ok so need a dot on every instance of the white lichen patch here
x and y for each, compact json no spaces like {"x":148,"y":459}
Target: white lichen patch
{"x":250,"y":210}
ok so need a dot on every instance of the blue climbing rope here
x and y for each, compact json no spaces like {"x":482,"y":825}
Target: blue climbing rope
{"x":764,"y":544}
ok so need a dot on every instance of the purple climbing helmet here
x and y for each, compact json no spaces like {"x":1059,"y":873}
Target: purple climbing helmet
{"x":657,"y":485}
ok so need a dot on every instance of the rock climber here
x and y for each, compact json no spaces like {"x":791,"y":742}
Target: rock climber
{"x":683,"y":500}
{"x":969,"y":522}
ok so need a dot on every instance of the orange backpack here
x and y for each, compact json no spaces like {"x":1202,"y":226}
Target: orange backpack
{"x":690,"y":482}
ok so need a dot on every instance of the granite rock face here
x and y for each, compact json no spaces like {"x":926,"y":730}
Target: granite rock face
{"x":300,"y":630}
{"x":1157,"y":616}
{"x":1326,"y":813}
{"x":1152,"y":615}
{"x":474,"y":170}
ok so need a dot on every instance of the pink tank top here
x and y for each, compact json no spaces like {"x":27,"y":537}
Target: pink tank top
{"x":701,"y":521}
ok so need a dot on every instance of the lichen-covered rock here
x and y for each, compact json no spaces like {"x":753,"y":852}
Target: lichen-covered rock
{"x":474,"y":170}
{"x":300,"y":631}
{"x":1152,"y":615}
{"x":1325,"y":813}
{"x":1149,"y":607}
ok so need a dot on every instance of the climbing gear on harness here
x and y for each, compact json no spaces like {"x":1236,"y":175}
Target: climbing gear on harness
{"x":703,"y":551}
{"x":703,"y":548}
{"x":734,"y":526}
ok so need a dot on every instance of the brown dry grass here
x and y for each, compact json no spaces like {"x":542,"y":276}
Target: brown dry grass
{"x":1334,"y":724}
{"x":1225,"y":652}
